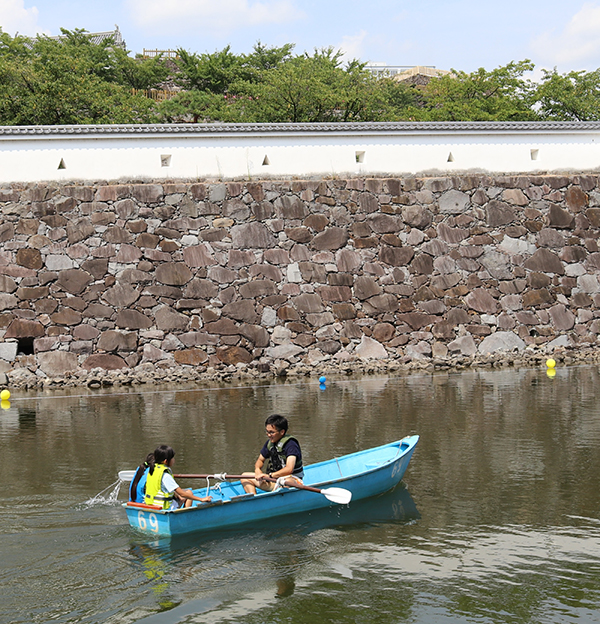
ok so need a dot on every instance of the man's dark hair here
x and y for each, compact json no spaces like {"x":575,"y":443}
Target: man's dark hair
{"x":279,"y":422}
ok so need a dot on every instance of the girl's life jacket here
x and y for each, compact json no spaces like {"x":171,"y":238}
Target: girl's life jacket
{"x":154,"y":493}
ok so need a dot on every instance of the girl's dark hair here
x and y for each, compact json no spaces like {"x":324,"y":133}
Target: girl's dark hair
{"x":160,"y":454}
{"x":279,"y":422}
{"x":138,"y":475}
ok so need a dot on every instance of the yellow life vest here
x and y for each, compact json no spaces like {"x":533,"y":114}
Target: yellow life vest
{"x":154,"y":493}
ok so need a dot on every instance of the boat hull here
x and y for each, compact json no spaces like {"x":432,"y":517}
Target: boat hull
{"x":366,"y":473}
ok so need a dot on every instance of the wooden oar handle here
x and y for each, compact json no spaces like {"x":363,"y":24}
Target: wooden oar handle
{"x":295,"y":483}
{"x":229,"y":476}
{"x":206,"y":476}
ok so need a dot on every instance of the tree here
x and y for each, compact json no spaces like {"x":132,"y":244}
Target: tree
{"x":213,"y":73}
{"x":502,"y":94}
{"x":66,"y":81}
{"x":193,"y":107}
{"x":569,"y":97}
{"x":313,"y":88}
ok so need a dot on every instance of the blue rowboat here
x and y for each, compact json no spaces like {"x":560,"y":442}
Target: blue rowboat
{"x":365,"y":474}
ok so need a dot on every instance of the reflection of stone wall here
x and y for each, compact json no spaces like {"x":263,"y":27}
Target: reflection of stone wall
{"x":278,"y":272}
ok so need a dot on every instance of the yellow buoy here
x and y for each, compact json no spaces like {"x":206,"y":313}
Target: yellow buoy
{"x":550,"y":363}
{"x":551,"y":372}
{"x":4,"y":404}
{"x":4,"y":395}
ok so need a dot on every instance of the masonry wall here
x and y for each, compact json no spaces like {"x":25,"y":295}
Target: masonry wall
{"x":276,"y":273}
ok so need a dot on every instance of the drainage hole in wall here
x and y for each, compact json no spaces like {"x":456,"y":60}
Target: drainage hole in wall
{"x":25,"y":346}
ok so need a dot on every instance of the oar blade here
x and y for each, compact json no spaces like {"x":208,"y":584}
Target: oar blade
{"x":126,"y":475}
{"x":337,"y":495}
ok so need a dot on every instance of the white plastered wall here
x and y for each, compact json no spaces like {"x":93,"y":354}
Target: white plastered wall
{"x":145,"y":155}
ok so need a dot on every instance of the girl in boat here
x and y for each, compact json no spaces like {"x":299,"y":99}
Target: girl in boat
{"x":137,"y":488}
{"x":161,"y":487}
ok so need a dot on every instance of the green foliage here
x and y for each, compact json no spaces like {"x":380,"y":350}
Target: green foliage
{"x":498,"y":95}
{"x":271,"y":85}
{"x":569,"y":97}
{"x":209,"y":72}
{"x":71,"y":81}
{"x":75,"y":81}
{"x":263,"y":58}
{"x":193,"y":107}
{"x":219,"y":71}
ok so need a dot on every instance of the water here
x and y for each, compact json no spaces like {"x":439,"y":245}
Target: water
{"x":497,"y":520}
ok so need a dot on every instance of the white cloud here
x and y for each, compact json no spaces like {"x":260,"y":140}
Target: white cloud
{"x":207,"y":16}
{"x":352,"y":46}
{"x":14,"y":17}
{"x":579,"y":41}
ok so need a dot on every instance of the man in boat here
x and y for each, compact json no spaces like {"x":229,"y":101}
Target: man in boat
{"x":280,"y":457}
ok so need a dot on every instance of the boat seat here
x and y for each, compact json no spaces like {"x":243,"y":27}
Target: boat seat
{"x":241,"y":497}
{"x":375,"y":464}
{"x":144,"y":506}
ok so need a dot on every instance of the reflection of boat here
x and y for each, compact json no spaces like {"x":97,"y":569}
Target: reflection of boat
{"x":394,"y":506}
{"x":366,"y":474}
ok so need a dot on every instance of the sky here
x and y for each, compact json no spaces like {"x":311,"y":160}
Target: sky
{"x":447,"y":34}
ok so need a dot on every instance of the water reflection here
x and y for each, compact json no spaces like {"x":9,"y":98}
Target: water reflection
{"x":506,"y":479}
{"x":276,"y":551}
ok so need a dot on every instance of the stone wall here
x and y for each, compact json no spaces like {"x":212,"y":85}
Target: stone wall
{"x":274,"y":275}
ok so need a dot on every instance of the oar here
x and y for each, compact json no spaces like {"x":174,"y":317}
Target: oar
{"x":333,"y":494}
{"x":127,"y":475}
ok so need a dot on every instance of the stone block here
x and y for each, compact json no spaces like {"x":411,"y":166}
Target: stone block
{"x":290,"y":207}
{"x":8,"y":351}
{"x":464,"y":345}
{"x":132,"y":319}
{"x":545,"y":261}
{"x":173,"y":274}
{"x":255,"y":334}
{"x":74,"y":281}
{"x":330,"y":239}
{"x":258,"y":288}
{"x":453,"y":202}
{"x":168,"y":319}
{"x":24,"y":328}
{"x":501,"y":341}
{"x":559,"y":217}
{"x":66,"y":316}
{"x":252,"y":235}
{"x":562,"y":319}
{"x":191,"y":357}
{"x":57,"y":363}
{"x":370,"y":349}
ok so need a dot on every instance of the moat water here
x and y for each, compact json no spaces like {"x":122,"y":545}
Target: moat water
{"x":497,"y":519}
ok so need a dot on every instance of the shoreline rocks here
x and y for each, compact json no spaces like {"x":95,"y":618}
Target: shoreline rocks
{"x":147,"y":373}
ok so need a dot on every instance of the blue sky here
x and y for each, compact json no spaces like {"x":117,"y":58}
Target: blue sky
{"x":459,"y":34}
